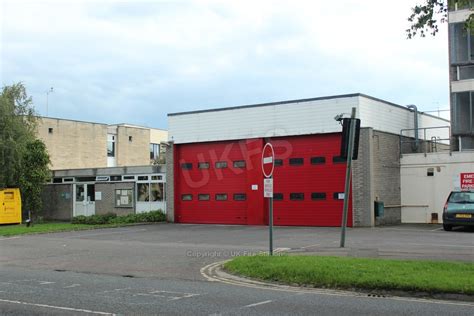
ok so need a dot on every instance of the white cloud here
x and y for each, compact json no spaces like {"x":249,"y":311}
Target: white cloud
{"x":128,"y":61}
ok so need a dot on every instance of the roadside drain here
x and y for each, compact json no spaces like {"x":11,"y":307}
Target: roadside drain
{"x":128,"y":276}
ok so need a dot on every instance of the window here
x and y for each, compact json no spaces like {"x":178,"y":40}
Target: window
{"x":115,"y":178}
{"x":156,"y":177}
{"x":204,"y":197}
{"x":79,"y":193}
{"x":142,"y":178}
{"x":277,"y":196}
{"x":461,"y":43}
{"x":129,"y":178}
{"x":130,"y":138}
{"x":143,"y":190}
{"x":186,"y":166}
{"x":65,"y":180}
{"x":463,"y":107}
{"x":154,"y":151}
{"x":430,"y":172}
{"x":338,"y":196}
{"x":278,"y":162}
{"x":187,"y":197}
{"x":239,"y":164}
{"x":296,"y":161}
{"x":221,"y":164}
{"x":318,"y":196}
{"x":338,"y":159}
{"x":50,"y":130}
{"x":296,"y":196}
{"x":221,"y":197}
{"x":240,"y":197}
{"x":318,"y":160}
{"x":156,"y":192}
{"x":203,"y":165}
{"x":110,"y":145}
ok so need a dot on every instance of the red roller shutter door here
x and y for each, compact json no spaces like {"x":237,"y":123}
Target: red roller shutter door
{"x":191,"y":181}
{"x":312,"y":180}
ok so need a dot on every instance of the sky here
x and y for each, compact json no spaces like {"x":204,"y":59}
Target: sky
{"x":133,"y":62}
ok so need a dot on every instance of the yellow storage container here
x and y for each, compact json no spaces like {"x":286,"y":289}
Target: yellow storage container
{"x":10,"y":206}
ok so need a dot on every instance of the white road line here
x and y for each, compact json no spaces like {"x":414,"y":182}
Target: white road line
{"x":313,"y":245}
{"x":57,"y":307}
{"x":257,"y":304}
{"x":45,"y":282}
{"x":71,"y":286}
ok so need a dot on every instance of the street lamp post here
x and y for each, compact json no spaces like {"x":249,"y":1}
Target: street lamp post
{"x":47,"y":95}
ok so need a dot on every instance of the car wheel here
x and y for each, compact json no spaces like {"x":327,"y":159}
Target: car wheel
{"x":447,"y":227}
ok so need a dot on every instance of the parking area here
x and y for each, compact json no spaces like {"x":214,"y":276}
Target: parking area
{"x":179,"y":250}
{"x":156,"y":269}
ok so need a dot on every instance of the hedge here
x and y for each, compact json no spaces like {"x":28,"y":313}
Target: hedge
{"x":112,"y":218}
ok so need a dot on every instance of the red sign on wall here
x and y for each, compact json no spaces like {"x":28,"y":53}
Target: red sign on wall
{"x":467,"y":181}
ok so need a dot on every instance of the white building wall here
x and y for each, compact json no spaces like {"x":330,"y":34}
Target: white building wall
{"x":422,"y":195}
{"x":293,"y":118}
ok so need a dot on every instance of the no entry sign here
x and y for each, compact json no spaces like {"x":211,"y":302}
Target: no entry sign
{"x":268,"y":160}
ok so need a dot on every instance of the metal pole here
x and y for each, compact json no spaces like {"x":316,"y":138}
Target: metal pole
{"x":270,"y":222}
{"x":348,"y":177}
{"x":47,"y":94}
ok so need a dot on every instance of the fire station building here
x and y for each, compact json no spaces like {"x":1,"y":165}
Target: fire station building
{"x":214,"y":169}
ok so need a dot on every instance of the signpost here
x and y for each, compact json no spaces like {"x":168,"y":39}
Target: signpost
{"x":268,"y":164}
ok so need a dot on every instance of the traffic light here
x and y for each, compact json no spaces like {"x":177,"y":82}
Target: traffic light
{"x":346,"y":125}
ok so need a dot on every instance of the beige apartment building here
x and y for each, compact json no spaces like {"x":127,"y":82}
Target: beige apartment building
{"x":76,"y":145}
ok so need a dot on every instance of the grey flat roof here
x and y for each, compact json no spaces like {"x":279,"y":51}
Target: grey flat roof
{"x":340,"y":96}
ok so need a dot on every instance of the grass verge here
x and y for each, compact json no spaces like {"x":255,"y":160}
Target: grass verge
{"x":13,"y":230}
{"x":348,"y":273}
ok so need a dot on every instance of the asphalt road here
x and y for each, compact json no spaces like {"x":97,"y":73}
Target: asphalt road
{"x":155,"y":269}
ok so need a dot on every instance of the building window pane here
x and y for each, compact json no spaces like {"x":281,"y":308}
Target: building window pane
{"x":203,"y":165}
{"x":111,"y":146}
{"x":296,"y":161}
{"x":79,"y":193}
{"x":278,"y":162}
{"x":462,"y":113}
{"x":338,"y":159}
{"x":318,"y":196}
{"x":186,"y":166}
{"x":430,"y":172}
{"x":338,"y":196}
{"x":186,"y":197}
{"x":240,"y":197}
{"x":296,"y":196}
{"x":142,"y":178}
{"x":221,"y":197}
{"x":239,"y":164}
{"x":154,"y":151}
{"x":143,"y":192}
{"x":204,"y":197}
{"x":221,"y":164}
{"x":277,"y":196}
{"x":157,"y":192}
{"x":466,"y":72}
{"x":318,"y":160}
{"x":459,"y":43}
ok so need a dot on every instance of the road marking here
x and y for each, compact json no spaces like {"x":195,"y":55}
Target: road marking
{"x":439,"y":245}
{"x":57,"y":307}
{"x":71,"y":286}
{"x":313,"y":245}
{"x":257,"y":304}
{"x":169,"y":295}
{"x":436,"y":229}
{"x":45,"y":282}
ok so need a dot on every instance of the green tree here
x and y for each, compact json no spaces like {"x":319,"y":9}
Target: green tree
{"x":426,"y":17}
{"x":23,"y":158}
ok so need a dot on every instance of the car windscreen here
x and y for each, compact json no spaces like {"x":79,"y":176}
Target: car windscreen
{"x":461,"y":197}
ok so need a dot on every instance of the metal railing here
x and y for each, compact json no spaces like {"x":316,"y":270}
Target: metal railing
{"x":423,"y":144}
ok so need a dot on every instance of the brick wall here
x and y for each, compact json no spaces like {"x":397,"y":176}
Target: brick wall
{"x":386,"y":170}
{"x":170,"y":183}
{"x":107,"y":203}
{"x":362,"y":181}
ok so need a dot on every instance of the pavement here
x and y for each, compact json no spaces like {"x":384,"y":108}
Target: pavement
{"x":156,"y":269}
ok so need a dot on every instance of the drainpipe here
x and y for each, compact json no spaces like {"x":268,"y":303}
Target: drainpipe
{"x":415,"y":145}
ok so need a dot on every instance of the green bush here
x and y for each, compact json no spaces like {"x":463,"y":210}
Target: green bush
{"x":112,"y":218}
